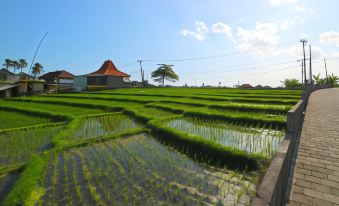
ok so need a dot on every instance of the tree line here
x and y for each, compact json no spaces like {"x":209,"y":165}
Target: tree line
{"x":21,"y":64}
{"x":295,"y":83}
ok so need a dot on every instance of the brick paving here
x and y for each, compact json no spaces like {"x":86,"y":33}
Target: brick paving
{"x":316,"y":175}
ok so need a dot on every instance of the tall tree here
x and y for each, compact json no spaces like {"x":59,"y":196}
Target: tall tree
{"x":7,"y":63}
{"x":36,"y":69}
{"x":15,"y":65}
{"x":22,"y":64}
{"x":164,"y":72}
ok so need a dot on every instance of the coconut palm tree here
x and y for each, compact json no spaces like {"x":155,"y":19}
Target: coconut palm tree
{"x":36,"y":69}
{"x":164,"y":72}
{"x":22,"y":64}
{"x":7,"y":63}
{"x":15,"y":65}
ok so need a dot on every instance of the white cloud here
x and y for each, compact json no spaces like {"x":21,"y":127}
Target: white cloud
{"x":199,"y":34}
{"x":300,"y":9}
{"x":223,"y":28}
{"x":330,"y":37}
{"x":263,"y":36}
{"x":284,"y":24}
{"x":280,"y":2}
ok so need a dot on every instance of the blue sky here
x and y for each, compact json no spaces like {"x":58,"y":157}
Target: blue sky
{"x":253,"y":41}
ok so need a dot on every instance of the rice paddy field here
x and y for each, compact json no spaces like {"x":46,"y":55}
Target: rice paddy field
{"x":140,"y":146}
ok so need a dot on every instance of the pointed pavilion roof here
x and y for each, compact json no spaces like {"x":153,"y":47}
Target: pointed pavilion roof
{"x":108,"y":68}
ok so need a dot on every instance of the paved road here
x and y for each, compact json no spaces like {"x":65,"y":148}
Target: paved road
{"x":316,"y":176}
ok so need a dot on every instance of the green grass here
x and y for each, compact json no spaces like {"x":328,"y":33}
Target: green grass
{"x":15,"y":119}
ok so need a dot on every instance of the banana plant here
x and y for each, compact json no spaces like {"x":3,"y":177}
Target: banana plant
{"x":319,"y":80}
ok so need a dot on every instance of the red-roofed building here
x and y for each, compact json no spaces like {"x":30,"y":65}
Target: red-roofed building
{"x":58,"y":77}
{"x":245,"y":86}
{"x":58,"y":81}
{"x":108,"y":76}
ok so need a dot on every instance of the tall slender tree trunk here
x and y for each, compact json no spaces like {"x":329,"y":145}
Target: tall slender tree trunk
{"x":163,"y":81}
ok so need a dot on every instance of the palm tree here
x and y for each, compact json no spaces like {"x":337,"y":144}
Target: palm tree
{"x":7,"y":63}
{"x":22,"y":64}
{"x":164,"y":72}
{"x":36,"y":69}
{"x":15,"y":65}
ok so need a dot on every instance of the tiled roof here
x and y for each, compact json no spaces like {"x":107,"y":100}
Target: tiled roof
{"x":62,"y":74}
{"x":108,"y":68}
{"x":246,"y":86}
{"x":6,"y":71}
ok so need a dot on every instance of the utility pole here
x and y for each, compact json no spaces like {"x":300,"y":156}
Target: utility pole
{"x":141,"y":71}
{"x":304,"y":41}
{"x":302,"y":71}
{"x":311,"y":78}
{"x":326,"y":71}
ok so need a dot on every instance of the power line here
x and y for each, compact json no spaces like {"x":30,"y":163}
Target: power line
{"x":245,"y":67}
{"x":215,"y":56}
{"x":129,"y":64}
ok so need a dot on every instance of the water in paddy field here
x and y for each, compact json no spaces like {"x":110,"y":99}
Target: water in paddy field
{"x":6,"y":183}
{"x":251,"y":140}
{"x":105,"y":125}
{"x":138,"y":170}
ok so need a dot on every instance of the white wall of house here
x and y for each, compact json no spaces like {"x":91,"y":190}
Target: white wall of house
{"x":80,"y":83}
{"x":38,"y":87}
{"x":66,"y":81}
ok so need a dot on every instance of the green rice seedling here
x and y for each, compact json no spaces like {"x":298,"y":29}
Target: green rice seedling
{"x":143,"y":170}
{"x":19,"y":145}
{"x":59,"y":107}
{"x":249,"y":139}
{"x":15,"y":119}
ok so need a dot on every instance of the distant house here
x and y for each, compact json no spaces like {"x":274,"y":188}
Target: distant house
{"x":25,"y":76}
{"x":58,"y":77}
{"x":136,"y":84}
{"x":8,"y":90}
{"x":22,"y":87}
{"x":245,"y":86}
{"x":30,"y":86}
{"x":107,"y":77}
{"x":58,"y":81}
{"x":7,"y":76}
